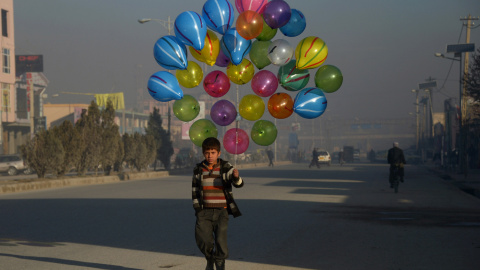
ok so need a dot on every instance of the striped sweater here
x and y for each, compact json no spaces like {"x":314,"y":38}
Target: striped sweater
{"x":212,"y":187}
{"x":225,"y":174}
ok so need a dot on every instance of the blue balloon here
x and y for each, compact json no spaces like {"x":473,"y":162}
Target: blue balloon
{"x":310,"y":103}
{"x":234,"y":46}
{"x":164,"y":86}
{"x":170,"y":53}
{"x":191,"y":29}
{"x":219,"y":15}
{"x":296,"y":25}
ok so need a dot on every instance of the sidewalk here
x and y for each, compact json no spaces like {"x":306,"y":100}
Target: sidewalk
{"x":469,"y":184}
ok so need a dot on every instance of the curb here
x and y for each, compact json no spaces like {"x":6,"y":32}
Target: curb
{"x":39,"y":184}
{"x":460,"y":184}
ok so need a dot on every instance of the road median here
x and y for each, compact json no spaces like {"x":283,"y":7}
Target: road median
{"x":23,"y":185}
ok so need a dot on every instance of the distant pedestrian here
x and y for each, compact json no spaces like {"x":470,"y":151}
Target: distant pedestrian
{"x":270,"y":156}
{"x":315,"y":155}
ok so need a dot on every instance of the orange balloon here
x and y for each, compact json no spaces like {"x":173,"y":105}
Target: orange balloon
{"x":280,"y":105}
{"x":249,"y":24}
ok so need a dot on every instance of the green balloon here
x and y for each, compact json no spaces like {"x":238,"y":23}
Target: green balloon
{"x":328,"y":78}
{"x":291,"y":78}
{"x":267,"y":32}
{"x":202,"y":129}
{"x":264,"y":132}
{"x":186,"y":109}
{"x":259,"y":53}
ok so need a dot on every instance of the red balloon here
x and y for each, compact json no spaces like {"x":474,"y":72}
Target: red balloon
{"x":264,"y":83}
{"x":249,"y":24}
{"x":216,"y":83}
{"x":280,"y":105}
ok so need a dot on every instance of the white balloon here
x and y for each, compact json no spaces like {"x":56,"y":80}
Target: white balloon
{"x":280,"y":52}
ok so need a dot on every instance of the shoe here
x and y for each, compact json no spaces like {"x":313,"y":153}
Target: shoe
{"x":220,"y":264}
{"x":391,"y":185}
{"x":401,"y":179}
{"x":209,"y":265}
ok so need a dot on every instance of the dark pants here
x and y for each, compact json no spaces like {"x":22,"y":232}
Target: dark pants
{"x":271,"y":161}
{"x":314,"y":163}
{"x":211,"y":232}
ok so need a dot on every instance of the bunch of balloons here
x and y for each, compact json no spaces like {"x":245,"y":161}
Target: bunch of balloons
{"x":214,"y":37}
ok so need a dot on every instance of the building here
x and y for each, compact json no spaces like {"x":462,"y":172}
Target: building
{"x":7,"y":78}
{"x":128,"y":121}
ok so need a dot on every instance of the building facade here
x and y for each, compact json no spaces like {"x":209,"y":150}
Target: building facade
{"x":7,"y":76}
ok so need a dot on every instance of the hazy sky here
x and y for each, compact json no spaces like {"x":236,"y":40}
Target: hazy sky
{"x":383,"y":47}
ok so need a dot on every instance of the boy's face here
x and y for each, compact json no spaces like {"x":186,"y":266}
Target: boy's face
{"x":211,"y":156}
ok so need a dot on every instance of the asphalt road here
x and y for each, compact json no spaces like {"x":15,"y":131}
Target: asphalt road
{"x":293,"y":218}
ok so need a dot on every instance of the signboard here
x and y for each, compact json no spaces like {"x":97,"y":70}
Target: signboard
{"x":460,"y":48}
{"x":40,"y":123}
{"x":28,"y":63}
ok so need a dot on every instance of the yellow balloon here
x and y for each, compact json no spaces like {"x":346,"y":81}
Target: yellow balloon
{"x":242,"y":73}
{"x":251,"y":107}
{"x":210,"y":51}
{"x":190,"y":77}
{"x":311,"y":52}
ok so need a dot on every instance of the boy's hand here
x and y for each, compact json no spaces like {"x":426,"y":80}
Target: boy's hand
{"x":235,"y":173}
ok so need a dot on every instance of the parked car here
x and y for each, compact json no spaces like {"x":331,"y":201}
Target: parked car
{"x":324,"y":157}
{"x":356,"y":155}
{"x":13,"y":164}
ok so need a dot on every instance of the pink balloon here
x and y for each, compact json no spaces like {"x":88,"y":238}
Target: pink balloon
{"x":236,"y":141}
{"x":264,"y":83}
{"x":216,"y":83}
{"x":255,"y":5}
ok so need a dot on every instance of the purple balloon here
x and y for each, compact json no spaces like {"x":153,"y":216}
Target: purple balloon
{"x":264,"y":83}
{"x":222,"y":60}
{"x":223,"y":112}
{"x":277,"y":13}
{"x":236,"y":141}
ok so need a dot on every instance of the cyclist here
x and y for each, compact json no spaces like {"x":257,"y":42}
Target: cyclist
{"x":396,"y":159}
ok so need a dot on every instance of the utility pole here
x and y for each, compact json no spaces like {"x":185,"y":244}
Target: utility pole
{"x":417,"y":116}
{"x":463,"y":103}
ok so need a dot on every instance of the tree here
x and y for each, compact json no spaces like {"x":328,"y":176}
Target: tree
{"x":472,"y":85}
{"x":72,"y":144}
{"x":141,"y":154}
{"x":44,"y":153}
{"x":130,"y":148}
{"x":110,"y":137}
{"x":161,"y":137}
{"x":91,"y":134}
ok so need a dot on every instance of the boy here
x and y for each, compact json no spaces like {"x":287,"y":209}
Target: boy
{"x":213,"y":202}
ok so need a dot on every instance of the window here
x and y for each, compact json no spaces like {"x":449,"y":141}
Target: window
{"x":6,"y":60}
{"x":4,"y":23}
{"x":5,"y":97}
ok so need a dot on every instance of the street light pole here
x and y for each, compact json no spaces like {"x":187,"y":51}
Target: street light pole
{"x":417,"y":115}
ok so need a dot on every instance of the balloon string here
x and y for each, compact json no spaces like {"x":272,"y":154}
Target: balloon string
{"x":236,"y":134}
